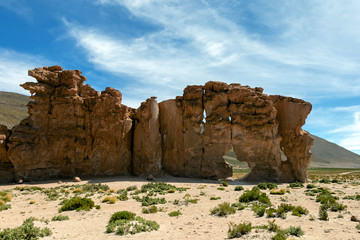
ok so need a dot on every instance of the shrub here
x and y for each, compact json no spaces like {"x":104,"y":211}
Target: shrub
{"x":151,"y":209}
{"x":4,"y":207}
{"x":77,"y":190}
{"x":239,"y":188}
{"x":296,"y":185}
{"x":32,"y":202}
{"x":354,"y":197}
{"x":294,"y":231}
{"x":123,"y":196}
{"x":259,"y":209}
{"x":26,"y":231}
{"x":280,"y":235}
{"x":98,"y":207}
{"x":254,"y":195}
{"x":147,"y":201}
{"x":95,"y":187}
{"x":224,"y":183}
{"x":325,"y":180}
{"x":126,"y":223}
{"x":298,"y":211}
{"x":223,"y":209}
{"x":175,"y":213}
{"x":265,"y":186}
{"x":310,"y":186}
{"x":215,"y":198}
{"x":278,"y":191}
{"x":171,"y":190}
{"x":77,"y":203}
{"x":273,"y":227}
{"x":159,"y":187}
{"x":131,"y":188}
{"x":60,"y":218}
{"x":323,"y":215}
{"x":237,"y":230}
{"x":358,"y":226}
{"x":271,"y":212}
{"x":122,"y":215}
{"x":221,"y":188}
{"x":109,"y":199}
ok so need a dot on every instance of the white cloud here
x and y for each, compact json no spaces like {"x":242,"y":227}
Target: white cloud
{"x":13,"y":70}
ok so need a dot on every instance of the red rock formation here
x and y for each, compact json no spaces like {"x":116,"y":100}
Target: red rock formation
{"x":72,"y":130}
{"x":147,"y":139}
{"x":295,"y":143}
{"x":6,"y":167}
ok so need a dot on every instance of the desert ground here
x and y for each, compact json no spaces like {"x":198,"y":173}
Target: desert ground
{"x":195,"y":221}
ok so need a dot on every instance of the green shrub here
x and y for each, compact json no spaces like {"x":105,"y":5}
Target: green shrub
{"x":159,"y":187}
{"x":215,"y":198}
{"x":280,"y":235}
{"x":27,"y":231}
{"x":310,"y":186}
{"x":237,"y":230}
{"x":123,"y":196}
{"x":171,"y":190}
{"x":151,"y":209}
{"x":354,"y":197}
{"x":294,"y":231}
{"x":175,"y":213}
{"x":122,"y":215}
{"x":93,"y":187}
{"x":224,"y":183}
{"x":223,"y":209}
{"x":125,"y":222}
{"x":147,"y":201}
{"x":259,"y":209}
{"x":131,"y":188}
{"x":271,"y":212}
{"x":265,"y":186}
{"x":254,"y":195}
{"x":298,"y":211}
{"x":296,"y":185}
{"x":238,"y":206}
{"x":60,"y":218}
{"x":358,"y":226}
{"x":323,"y":215}
{"x":77,"y":203}
{"x":239,"y":188}
{"x":221,"y":188}
{"x":273,"y":227}
{"x":4,"y":207}
{"x":325,"y":180}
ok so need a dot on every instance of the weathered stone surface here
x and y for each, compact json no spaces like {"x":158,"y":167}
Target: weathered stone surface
{"x":295,"y":143}
{"x":6,"y":167}
{"x":147,"y":139}
{"x":72,"y":130}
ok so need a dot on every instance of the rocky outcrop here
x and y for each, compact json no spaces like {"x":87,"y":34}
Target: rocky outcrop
{"x":295,"y":142}
{"x":7,"y":173}
{"x":73,"y":130}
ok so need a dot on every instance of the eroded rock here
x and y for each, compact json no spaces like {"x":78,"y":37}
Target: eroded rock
{"x":73,"y":130}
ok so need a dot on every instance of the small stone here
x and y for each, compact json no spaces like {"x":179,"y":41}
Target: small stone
{"x":77,"y":179}
{"x":60,"y":182}
{"x":150,"y":177}
{"x":355,"y":219}
{"x":327,"y":230}
{"x":20,"y":181}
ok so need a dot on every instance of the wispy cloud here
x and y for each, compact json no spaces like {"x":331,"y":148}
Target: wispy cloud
{"x":13,"y":69}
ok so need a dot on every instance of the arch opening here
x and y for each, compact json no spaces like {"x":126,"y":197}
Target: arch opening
{"x":240,"y":168}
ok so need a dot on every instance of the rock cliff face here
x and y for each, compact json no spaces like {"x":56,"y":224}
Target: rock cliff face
{"x":73,"y":130}
{"x":7,"y":173}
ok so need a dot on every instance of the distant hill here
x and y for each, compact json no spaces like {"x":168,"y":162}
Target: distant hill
{"x":325,"y":154}
{"x":12,"y":108}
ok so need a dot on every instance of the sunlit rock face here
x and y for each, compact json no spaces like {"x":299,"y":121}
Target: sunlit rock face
{"x":73,"y":130}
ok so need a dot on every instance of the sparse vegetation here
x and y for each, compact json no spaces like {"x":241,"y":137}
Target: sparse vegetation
{"x":296,"y":185}
{"x":278,"y":191}
{"x":109,"y":200}
{"x":223,"y":209}
{"x":125,"y":222}
{"x":224,"y":183}
{"x":254,"y":195}
{"x":215,"y":198}
{"x":238,"y":230}
{"x":151,"y":209}
{"x":27,"y":231}
{"x":77,"y":203}
{"x":147,"y":201}
{"x":175,"y":213}
{"x":239,"y":188}
{"x":60,"y":218}
{"x":294,"y":231}
{"x":265,"y":186}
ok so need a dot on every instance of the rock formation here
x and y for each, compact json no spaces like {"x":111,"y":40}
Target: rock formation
{"x":73,"y":130}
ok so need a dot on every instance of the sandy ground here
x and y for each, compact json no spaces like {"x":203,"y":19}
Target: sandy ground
{"x":195,"y":221}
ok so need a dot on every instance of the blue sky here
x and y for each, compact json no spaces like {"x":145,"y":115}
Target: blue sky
{"x":307,"y":49}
